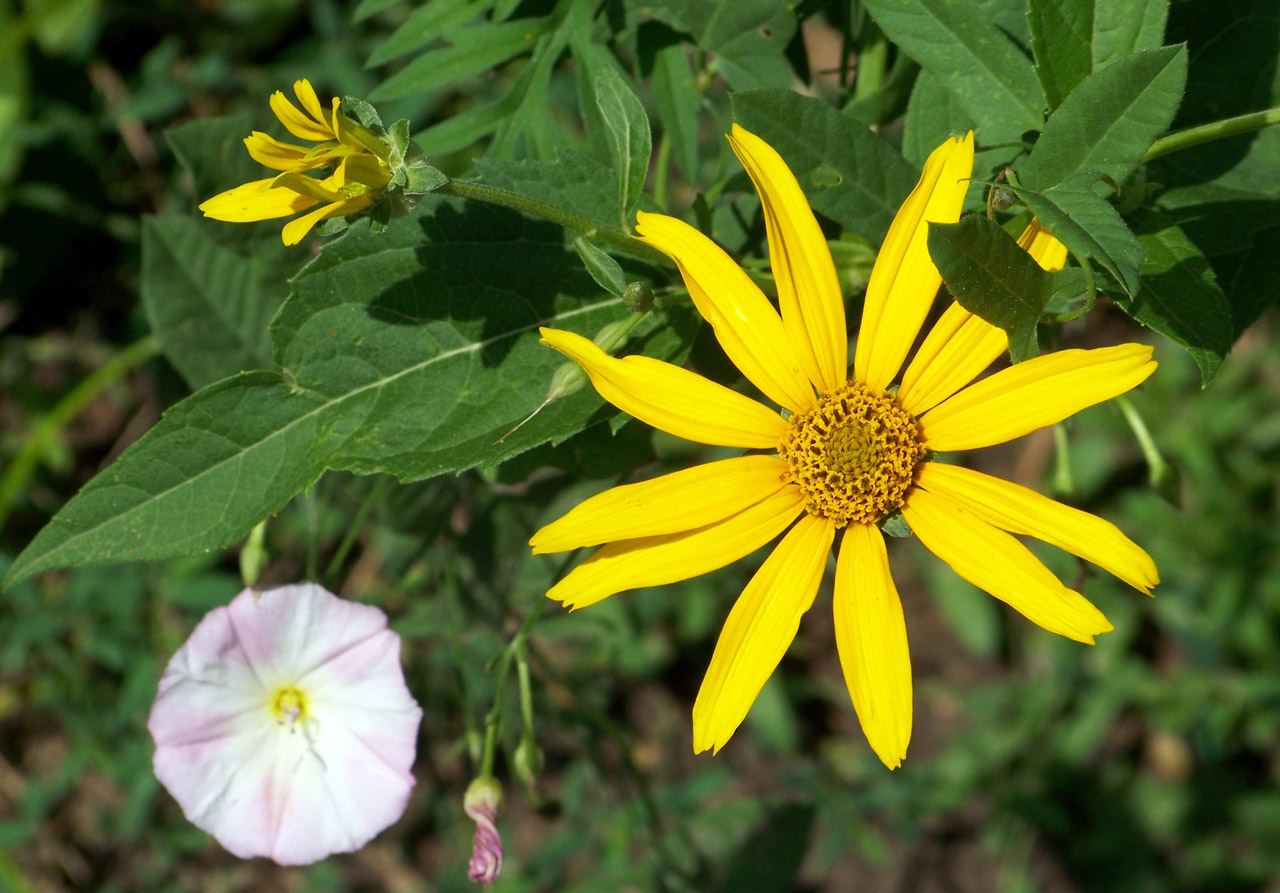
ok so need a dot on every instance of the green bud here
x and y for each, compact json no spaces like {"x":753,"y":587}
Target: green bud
{"x":253,"y":555}
{"x":528,"y":762}
{"x":638,"y":296}
{"x":567,"y":379}
{"x":483,"y":796}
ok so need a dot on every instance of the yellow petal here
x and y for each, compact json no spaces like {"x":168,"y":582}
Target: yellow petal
{"x":272,"y":153}
{"x":759,"y":630}
{"x":744,"y":321}
{"x":1033,"y":394}
{"x":675,"y":400}
{"x":296,"y":122}
{"x":904,"y":280}
{"x":1024,"y":511}
{"x":993,"y":560}
{"x":657,"y":560}
{"x":957,"y":348}
{"x":871,"y":636}
{"x":257,"y":200}
{"x":961,"y":345}
{"x":674,"y":502}
{"x":1047,"y":251}
{"x":321,"y":190}
{"x":296,"y":230}
{"x":808,"y":288}
{"x":310,"y":101}
{"x":364,"y":169}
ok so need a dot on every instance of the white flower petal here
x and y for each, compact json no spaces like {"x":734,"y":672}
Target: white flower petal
{"x":265,"y":777}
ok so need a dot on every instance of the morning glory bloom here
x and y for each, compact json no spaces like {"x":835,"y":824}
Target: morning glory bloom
{"x":283,"y":726}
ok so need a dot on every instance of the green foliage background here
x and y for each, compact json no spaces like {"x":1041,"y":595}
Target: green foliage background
{"x":357,"y":390}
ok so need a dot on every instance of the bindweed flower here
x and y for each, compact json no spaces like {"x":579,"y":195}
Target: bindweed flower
{"x":283,"y":726}
{"x":361,"y":163}
{"x":482,"y":803}
{"x":853,"y":449}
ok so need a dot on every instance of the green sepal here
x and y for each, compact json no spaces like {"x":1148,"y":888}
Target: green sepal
{"x":423,"y":178}
{"x":366,"y":114}
{"x":893,"y":524}
{"x":333,"y":226}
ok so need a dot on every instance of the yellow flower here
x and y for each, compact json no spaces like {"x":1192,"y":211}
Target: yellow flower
{"x":357,"y":180}
{"x":844,"y":453}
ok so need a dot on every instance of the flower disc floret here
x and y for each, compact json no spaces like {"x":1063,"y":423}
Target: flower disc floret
{"x":853,"y":455}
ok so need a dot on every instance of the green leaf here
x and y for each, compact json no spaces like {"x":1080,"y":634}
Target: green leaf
{"x":1089,"y":226}
{"x":572,"y":181}
{"x":425,"y":24}
{"x":977,"y":61}
{"x":747,"y":37}
{"x":629,"y":137}
{"x":847,"y":172}
{"x":992,"y":277}
{"x":933,"y":114}
{"x":677,"y":103}
{"x":603,"y":268}
{"x":212,"y":152}
{"x":369,"y":8}
{"x":473,"y":51}
{"x":209,"y":304}
{"x":402,"y":354}
{"x":1253,"y":285}
{"x":1110,"y":120}
{"x":1062,"y":41}
{"x":1122,"y":28}
{"x":1180,"y":297}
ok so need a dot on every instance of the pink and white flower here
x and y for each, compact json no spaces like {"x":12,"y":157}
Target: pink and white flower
{"x":283,"y":726}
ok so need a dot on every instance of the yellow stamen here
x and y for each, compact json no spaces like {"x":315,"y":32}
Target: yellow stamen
{"x":289,"y":705}
{"x":854,"y":455}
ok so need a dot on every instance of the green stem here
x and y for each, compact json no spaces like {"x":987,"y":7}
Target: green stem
{"x":516,"y":646}
{"x":1063,"y":482}
{"x":1214,"y":130}
{"x":869,"y":76}
{"x":46,"y":429}
{"x":660,"y":170}
{"x":592,"y":229}
{"x":1156,"y":466}
{"x":353,"y":529}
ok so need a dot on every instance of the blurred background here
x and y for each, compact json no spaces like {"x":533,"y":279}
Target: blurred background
{"x":1149,"y":762}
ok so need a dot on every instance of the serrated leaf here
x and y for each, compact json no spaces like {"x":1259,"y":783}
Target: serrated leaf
{"x":847,"y":172}
{"x":933,"y":114}
{"x":1180,"y":297}
{"x":1110,"y":120}
{"x":1122,"y":28}
{"x":748,"y":38}
{"x":992,"y":277}
{"x":1062,"y":41}
{"x":603,"y":268}
{"x":630,"y":139}
{"x":473,"y":51}
{"x":426,"y":23}
{"x":209,"y":304}
{"x":1089,"y":226}
{"x":572,"y":181}
{"x":978,"y":62}
{"x":402,"y":354}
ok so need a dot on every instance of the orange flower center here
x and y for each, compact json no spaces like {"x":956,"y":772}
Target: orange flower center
{"x":854,"y":455}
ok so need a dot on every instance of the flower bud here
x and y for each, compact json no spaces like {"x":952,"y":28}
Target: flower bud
{"x":638,"y":296}
{"x":482,"y":803}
